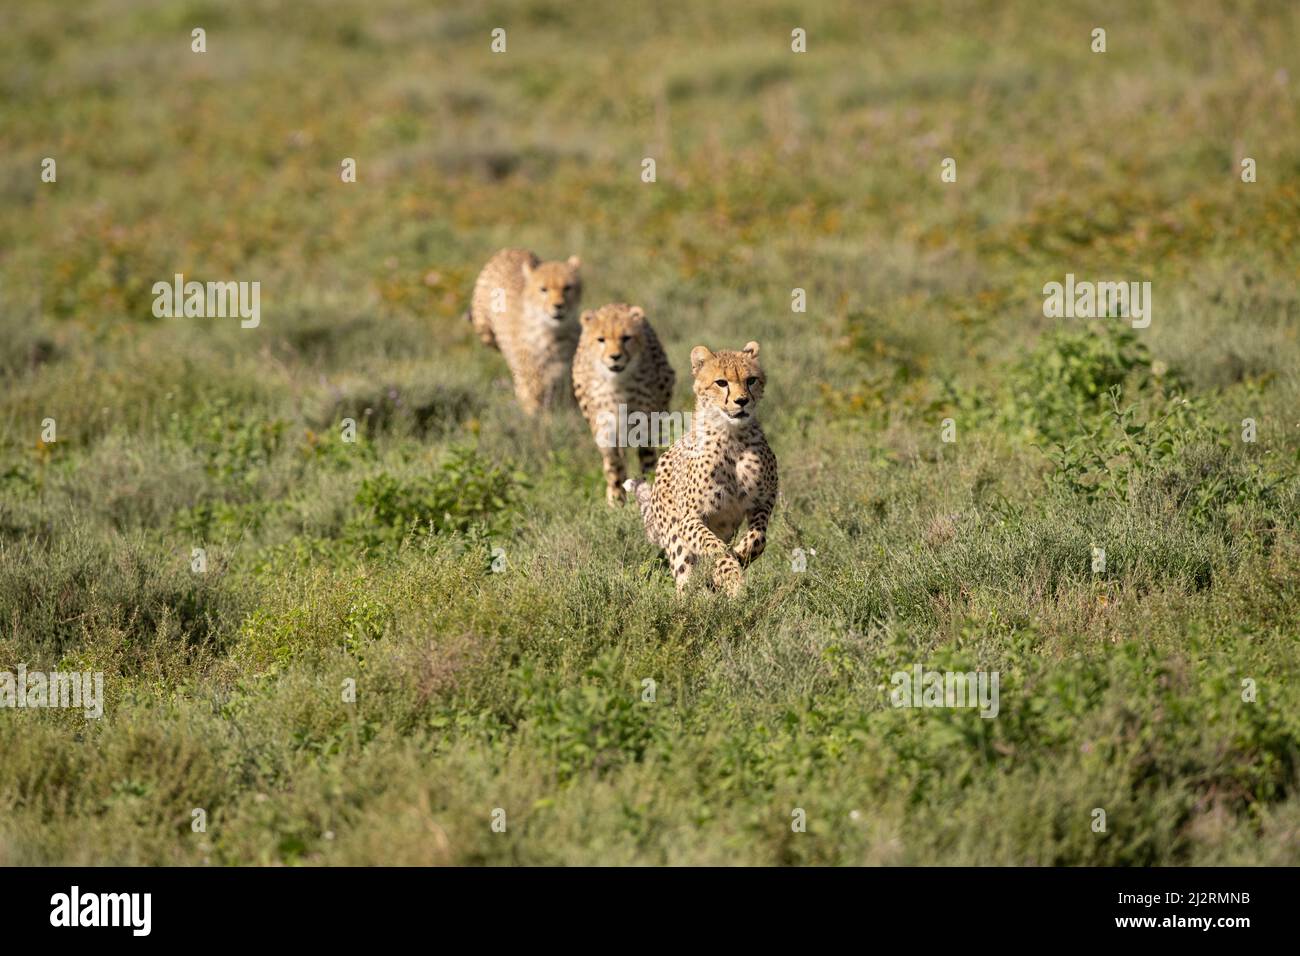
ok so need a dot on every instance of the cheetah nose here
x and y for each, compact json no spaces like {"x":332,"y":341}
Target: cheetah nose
{"x":616,"y":356}
{"x":742,"y":402}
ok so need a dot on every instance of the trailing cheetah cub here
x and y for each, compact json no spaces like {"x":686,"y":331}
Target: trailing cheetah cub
{"x":717,"y":475}
{"x":525,"y":308}
{"x":620,"y":362}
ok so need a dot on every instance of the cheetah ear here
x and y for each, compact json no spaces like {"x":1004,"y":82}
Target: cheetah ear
{"x":751,"y":348}
{"x":636,"y":312}
{"x":527,"y":268}
{"x":587,"y":316}
{"x":699,"y":355}
{"x":574,"y":262}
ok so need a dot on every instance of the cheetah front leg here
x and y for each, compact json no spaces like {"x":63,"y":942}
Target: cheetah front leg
{"x":755,"y":540}
{"x":526,"y":391}
{"x":683,"y":564}
{"x":692,"y":540}
{"x":615,"y":475}
{"x":529,"y":403}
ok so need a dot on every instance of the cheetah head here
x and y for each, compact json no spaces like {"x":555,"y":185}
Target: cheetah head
{"x":552,"y":289}
{"x":615,"y":334}
{"x":727,"y":383}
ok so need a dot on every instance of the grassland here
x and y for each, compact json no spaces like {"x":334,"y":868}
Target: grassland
{"x":327,"y":562}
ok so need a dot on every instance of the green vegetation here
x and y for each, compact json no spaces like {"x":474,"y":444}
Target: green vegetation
{"x":523,"y":689}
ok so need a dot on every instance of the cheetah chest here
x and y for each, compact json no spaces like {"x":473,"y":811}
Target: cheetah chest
{"x":731,"y":489}
{"x":544,"y":350}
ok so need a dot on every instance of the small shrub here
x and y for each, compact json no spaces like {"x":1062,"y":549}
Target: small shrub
{"x":231,"y":443}
{"x":465,"y":493}
{"x":1068,"y":380}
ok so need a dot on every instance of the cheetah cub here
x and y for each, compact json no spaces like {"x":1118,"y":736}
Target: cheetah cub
{"x":621,"y":375}
{"x":717,"y":475}
{"x":525,"y":308}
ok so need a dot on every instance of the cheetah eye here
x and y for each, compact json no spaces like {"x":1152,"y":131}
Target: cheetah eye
{"x":721,"y":383}
{"x":568,"y":288}
{"x":751,"y":381}
{"x":543,"y":288}
{"x":601,"y":339}
{"x":625,"y":338}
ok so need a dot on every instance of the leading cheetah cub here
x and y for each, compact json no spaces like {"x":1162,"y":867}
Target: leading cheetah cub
{"x":621,"y":375}
{"x":525,"y":308}
{"x":717,"y":475}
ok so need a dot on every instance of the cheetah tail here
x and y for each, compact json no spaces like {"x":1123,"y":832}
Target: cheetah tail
{"x":483,"y":328}
{"x":640,"y":490}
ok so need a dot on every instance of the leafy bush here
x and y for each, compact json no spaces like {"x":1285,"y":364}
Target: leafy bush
{"x":593,"y":725}
{"x":419,"y":408}
{"x":465,"y":493}
{"x":1066,"y":383}
{"x":232,"y":443}
{"x":216,"y":519}
{"x":1176,"y":454}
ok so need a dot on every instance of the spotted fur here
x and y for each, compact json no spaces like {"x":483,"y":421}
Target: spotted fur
{"x":620,"y":362}
{"x":721,"y":474}
{"x":528,"y":309}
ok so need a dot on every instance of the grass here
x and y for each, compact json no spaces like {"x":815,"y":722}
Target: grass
{"x":334,"y":565}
